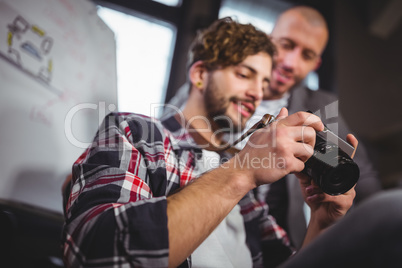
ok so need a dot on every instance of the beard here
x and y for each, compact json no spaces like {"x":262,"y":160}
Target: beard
{"x":217,"y":105}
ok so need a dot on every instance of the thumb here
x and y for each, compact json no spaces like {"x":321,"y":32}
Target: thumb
{"x":283,"y":113}
{"x":351,"y":139}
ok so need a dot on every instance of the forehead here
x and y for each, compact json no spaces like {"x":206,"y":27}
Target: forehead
{"x":301,"y":32}
{"x":260,"y":63}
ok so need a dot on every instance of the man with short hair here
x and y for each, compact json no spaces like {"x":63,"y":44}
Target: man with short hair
{"x":151,"y":193}
{"x":300,"y":35}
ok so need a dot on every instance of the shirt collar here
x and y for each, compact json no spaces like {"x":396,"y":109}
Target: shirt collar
{"x":180,"y":137}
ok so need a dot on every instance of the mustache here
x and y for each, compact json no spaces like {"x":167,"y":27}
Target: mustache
{"x":239,"y":100}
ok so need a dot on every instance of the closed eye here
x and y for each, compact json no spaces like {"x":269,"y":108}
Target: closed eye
{"x":241,"y":75}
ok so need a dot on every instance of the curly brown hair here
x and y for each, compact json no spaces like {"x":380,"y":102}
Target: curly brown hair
{"x":227,"y":42}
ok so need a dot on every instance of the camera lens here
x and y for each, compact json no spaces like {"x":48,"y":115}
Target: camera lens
{"x":331,"y":168}
{"x":335,"y":180}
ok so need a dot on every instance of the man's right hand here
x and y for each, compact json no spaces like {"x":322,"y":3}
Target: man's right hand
{"x":280,"y":148}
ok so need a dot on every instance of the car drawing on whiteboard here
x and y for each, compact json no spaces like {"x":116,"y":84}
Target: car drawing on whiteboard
{"x":29,"y":47}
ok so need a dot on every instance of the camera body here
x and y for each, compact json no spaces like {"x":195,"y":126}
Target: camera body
{"x":331,"y":166}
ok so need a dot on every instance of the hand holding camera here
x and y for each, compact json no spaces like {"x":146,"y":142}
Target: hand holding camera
{"x":331,"y":166}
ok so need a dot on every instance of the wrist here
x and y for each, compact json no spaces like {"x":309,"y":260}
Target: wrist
{"x":241,"y":178}
{"x":318,"y":223}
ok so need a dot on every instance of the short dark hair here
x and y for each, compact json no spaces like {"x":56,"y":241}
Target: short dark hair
{"x":227,"y":42}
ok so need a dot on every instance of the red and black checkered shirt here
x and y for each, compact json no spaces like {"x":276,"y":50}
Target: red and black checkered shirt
{"x":115,"y":210}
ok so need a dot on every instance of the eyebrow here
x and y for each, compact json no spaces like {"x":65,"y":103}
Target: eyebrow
{"x":267,"y":79}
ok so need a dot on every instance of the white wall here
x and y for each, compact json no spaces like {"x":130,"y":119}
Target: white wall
{"x":50,"y":104}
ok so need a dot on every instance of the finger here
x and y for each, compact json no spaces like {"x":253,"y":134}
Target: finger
{"x":317,"y":198}
{"x":314,"y":183}
{"x":303,"y":119}
{"x":351,"y":139}
{"x":294,"y":165}
{"x":283,"y":113}
{"x":351,"y":192}
{"x":302,"y":140}
{"x":303,"y":151}
{"x":305,"y":134}
{"x":326,"y":198}
{"x":340,"y":199}
{"x":313,"y":190}
{"x":305,"y":180}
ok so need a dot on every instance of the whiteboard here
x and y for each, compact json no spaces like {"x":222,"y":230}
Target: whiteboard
{"x":57,"y":82}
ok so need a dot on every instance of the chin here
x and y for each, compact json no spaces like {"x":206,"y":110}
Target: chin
{"x":279,"y":92}
{"x":236,"y":126}
{"x":273,"y":96}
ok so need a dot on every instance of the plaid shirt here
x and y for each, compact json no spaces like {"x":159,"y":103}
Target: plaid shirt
{"x":115,"y":210}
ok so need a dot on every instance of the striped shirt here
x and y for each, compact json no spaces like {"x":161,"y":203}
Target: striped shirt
{"x":116,"y":208}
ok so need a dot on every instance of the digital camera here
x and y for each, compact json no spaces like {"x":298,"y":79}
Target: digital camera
{"x":331,"y":166}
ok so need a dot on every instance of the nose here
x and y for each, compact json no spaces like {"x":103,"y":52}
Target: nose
{"x":256,"y":90}
{"x":291,"y":59}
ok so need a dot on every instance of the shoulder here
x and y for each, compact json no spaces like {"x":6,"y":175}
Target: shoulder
{"x":322,"y":94}
{"x":133,"y":117}
{"x":137,"y":127}
{"x":303,"y":98}
{"x":319,"y":94}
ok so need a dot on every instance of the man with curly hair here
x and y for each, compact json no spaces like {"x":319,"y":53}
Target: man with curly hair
{"x":300,"y":35}
{"x":151,"y":193}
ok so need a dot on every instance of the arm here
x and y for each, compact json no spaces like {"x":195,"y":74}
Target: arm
{"x":197,"y":209}
{"x":213,"y":198}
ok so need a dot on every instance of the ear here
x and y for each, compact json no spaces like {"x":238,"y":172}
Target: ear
{"x":318,"y":64}
{"x":197,"y":75}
